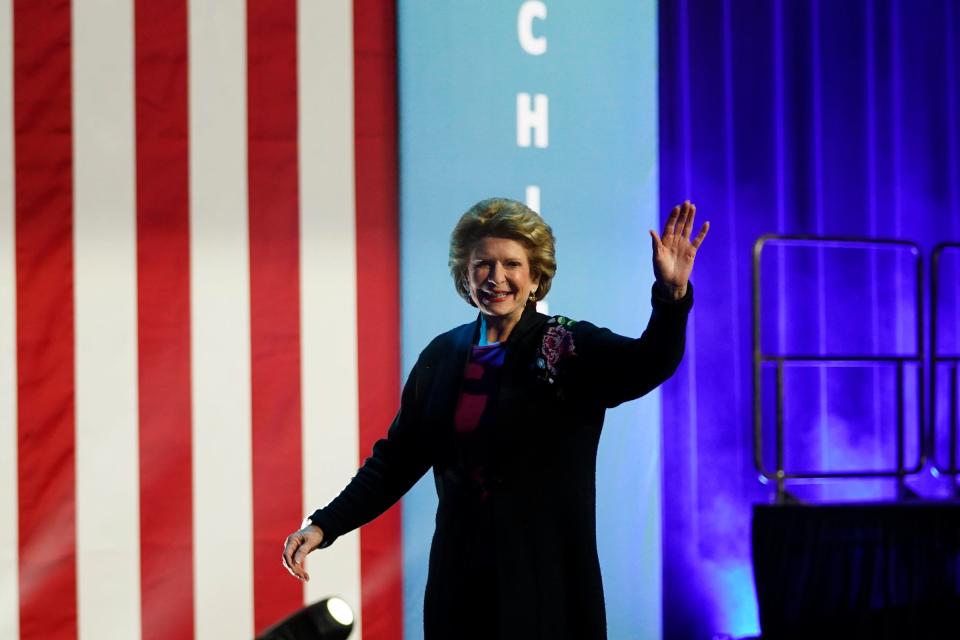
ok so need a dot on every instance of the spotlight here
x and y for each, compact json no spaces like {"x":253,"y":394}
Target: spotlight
{"x":330,"y":619}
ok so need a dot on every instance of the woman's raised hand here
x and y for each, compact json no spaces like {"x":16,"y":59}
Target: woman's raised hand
{"x":297,"y":546}
{"x":673,"y":255}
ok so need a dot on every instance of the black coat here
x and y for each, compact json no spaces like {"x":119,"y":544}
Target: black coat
{"x":525,"y":564}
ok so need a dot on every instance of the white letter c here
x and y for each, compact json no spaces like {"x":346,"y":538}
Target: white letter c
{"x":529,"y":10}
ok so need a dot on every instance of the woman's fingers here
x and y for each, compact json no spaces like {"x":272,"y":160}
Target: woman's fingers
{"x":688,"y":221}
{"x":682,"y":217}
{"x":298,"y":559}
{"x":700,"y":236}
{"x":671,"y":223}
{"x":297,"y":546}
{"x":656,"y":242}
{"x":291,"y":549}
{"x":679,"y":225}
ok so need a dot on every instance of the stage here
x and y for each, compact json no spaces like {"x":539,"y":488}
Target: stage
{"x":875,"y":570}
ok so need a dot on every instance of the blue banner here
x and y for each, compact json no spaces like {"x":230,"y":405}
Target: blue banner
{"x":554,"y":103}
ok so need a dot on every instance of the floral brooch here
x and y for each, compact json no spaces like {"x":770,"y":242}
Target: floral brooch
{"x":557,"y":344}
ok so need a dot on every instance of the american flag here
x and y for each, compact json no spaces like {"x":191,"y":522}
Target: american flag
{"x":198,"y":310}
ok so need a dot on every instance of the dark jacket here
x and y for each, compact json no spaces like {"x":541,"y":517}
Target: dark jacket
{"x":524,"y":563}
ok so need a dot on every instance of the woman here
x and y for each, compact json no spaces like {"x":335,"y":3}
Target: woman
{"x":507,"y":410}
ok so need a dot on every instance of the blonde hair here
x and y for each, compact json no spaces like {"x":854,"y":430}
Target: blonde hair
{"x":503,"y":218}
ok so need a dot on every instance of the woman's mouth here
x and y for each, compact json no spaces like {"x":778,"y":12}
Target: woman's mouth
{"x":494,"y":296}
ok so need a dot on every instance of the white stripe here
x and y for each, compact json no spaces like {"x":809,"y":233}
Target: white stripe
{"x":105,"y":289}
{"x":328,"y":282}
{"x":220,"y":321}
{"x":9,"y":592}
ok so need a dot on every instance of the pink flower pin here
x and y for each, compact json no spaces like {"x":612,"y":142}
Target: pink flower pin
{"x":557,"y":344}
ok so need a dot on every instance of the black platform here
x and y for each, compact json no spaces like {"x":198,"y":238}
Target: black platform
{"x":858,"y":570}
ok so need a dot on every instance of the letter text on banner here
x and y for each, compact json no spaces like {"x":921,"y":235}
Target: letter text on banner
{"x":532,"y":197}
{"x":534,"y":45}
{"x":534,"y":118}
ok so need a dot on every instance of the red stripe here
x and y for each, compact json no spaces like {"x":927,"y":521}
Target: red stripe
{"x":163,"y":311}
{"x":378,"y":302}
{"x":45,"y":332}
{"x":274,"y":300}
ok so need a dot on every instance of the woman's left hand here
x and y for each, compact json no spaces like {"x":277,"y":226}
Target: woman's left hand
{"x":673,"y":255}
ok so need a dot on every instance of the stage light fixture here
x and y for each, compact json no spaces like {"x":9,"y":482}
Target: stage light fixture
{"x":329,"y":619}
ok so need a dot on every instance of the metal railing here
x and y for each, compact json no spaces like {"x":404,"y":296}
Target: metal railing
{"x":780,"y":475}
{"x":947,"y":466}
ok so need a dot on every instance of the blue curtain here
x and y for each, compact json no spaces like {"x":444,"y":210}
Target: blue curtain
{"x":795,"y":117}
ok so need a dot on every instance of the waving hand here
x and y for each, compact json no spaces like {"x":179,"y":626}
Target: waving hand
{"x":674,"y":253}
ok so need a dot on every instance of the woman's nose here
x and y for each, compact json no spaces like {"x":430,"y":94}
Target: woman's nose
{"x":496,"y":274}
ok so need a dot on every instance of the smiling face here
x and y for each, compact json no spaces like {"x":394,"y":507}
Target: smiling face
{"x":498,"y":275}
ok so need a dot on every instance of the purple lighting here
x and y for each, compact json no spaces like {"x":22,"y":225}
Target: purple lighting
{"x":807,"y":117}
